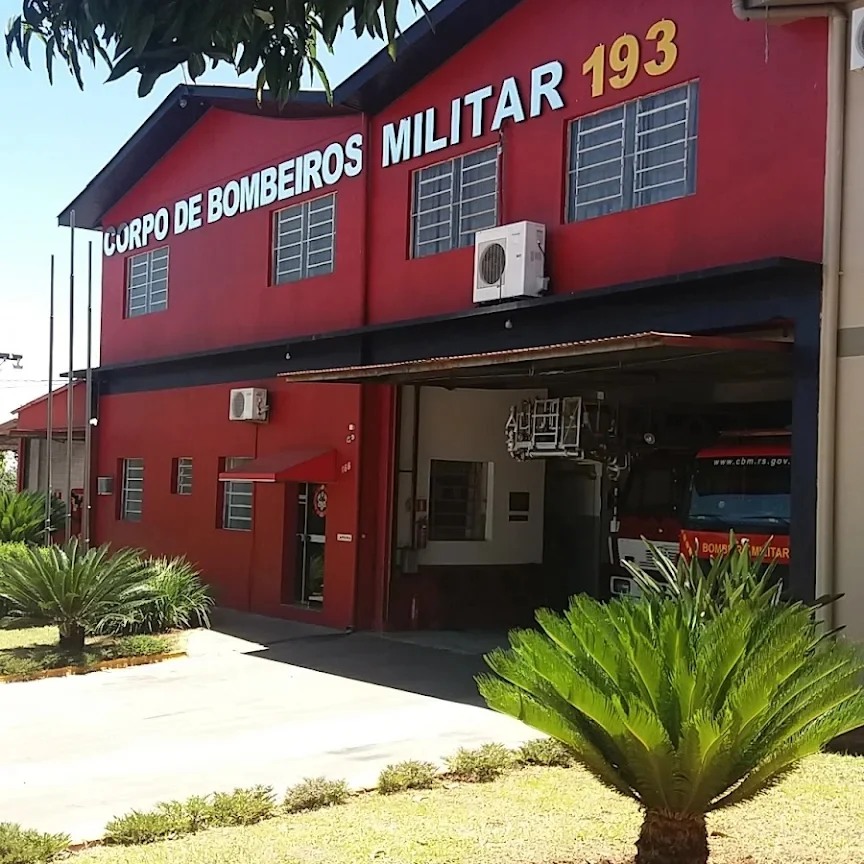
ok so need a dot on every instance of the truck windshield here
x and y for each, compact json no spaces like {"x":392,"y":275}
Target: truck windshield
{"x":741,"y":490}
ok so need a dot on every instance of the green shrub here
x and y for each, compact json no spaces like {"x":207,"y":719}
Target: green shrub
{"x":172,"y":819}
{"x":243,"y":806}
{"x":138,"y":827}
{"x":22,"y":517}
{"x":545,"y":751}
{"x":315,"y":793}
{"x":19,"y":846}
{"x":79,"y":591}
{"x":407,"y":775}
{"x":12,"y":664}
{"x":482,"y":765}
{"x":137,"y":646}
{"x":178,"y":599}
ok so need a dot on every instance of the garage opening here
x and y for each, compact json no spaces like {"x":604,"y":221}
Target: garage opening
{"x":524,"y":477}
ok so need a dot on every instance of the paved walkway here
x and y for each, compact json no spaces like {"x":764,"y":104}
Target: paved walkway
{"x":258,"y":702}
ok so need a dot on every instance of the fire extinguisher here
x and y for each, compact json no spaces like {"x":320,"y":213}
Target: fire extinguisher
{"x":422,"y":533}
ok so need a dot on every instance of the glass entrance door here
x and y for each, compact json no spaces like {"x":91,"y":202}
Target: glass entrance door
{"x":311,"y":533}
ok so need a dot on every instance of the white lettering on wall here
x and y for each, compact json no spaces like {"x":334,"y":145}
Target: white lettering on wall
{"x":422,"y":133}
{"x":545,"y":81}
{"x":509,"y":105}
{"x":309,"y":171}
{"x":397,"y":143}
{"x":418,"y":134}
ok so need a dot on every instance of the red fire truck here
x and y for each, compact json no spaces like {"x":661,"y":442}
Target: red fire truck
{"x":689,"y":505}
{"x":742,"y":486}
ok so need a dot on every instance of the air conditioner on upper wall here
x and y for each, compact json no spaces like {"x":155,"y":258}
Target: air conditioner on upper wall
{"x":509,"y":262}
{"x":250,"y":404}
{"x":856,"y":55}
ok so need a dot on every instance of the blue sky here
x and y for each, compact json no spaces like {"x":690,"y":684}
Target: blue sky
{"x":53,"y":141}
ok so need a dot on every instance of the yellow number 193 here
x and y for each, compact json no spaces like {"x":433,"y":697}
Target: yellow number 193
{"x":663,"y":33}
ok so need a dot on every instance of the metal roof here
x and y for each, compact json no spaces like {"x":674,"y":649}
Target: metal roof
{"x":421,"y":49}
{"x":646,"y":349}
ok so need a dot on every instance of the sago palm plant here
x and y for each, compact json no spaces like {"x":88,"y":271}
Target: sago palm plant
{"x":79,"y":590}
{"x":682,"y":718}
{"x":22,"y":517}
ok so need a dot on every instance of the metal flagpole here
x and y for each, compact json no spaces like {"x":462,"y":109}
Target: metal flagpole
{"x":88,"y":402}
{"x":70,"y":382}
{"x":49,"y":492}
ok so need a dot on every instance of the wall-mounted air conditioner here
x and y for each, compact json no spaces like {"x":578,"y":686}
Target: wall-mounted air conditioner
{"x":509,"y":262}
{"x":856,"y":55}
{"x":249,"y":404}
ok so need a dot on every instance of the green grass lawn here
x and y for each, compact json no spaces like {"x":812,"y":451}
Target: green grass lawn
{"x":27,"y":650}
{"x":534,"y":816}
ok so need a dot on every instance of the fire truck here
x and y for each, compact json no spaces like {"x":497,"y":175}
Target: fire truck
{"x":689,"y":506}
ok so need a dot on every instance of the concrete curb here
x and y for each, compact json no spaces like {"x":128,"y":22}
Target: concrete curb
{"x":66,"y":671}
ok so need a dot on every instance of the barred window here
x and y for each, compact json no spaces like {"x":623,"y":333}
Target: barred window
{"x":452,"y":201}
{"x":183,"y":476}
{"x":304,"y":240}
{"x":457,"y":500}
{"x":639,"y":153}
{"x":132,"y":492}
{"x":147,"y":283}
{"x":236,"y":499}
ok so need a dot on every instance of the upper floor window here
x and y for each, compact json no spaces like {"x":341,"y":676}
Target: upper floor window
{"x":147,"y":283}
{"x":304,"y":240}
{"x":639,"y":153}
{"x":132,"y":492}
{"x":182,"y":476}
{"x":452,"y":201}
{"x":237,"y":498}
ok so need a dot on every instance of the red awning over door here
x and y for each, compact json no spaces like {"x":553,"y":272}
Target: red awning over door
{"x":288,"y":466}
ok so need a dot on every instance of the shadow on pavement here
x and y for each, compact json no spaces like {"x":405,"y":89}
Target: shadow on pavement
{"x":387,"y":662}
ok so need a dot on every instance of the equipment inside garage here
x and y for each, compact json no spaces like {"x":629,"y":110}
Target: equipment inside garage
{"x":527,"y":477}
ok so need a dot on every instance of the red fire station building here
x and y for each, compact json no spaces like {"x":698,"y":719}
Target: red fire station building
{"x":321,"y":325}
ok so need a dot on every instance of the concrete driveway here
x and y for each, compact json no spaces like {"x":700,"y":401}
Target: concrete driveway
{"x":261,"y":701}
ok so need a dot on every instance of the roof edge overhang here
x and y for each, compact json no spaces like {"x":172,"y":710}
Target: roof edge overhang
{"x":184,"y":106}
{"x":612,"y":345}
{"x":768,"y":270}
{"x":420,"y":49}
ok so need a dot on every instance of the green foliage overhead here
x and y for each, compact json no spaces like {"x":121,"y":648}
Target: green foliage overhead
{"x":79,"y":591}
{"x":154,"y":37}
{"x":22,"y":516}
{"x":683,"y":719}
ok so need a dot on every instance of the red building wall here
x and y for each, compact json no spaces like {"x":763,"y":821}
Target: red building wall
{"x":760,"y":158}
{"x":219,"y":290}
{"x":244,"y":568}
{"x":758,"y":194}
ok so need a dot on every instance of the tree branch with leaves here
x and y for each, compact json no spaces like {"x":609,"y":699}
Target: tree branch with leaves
{"x":151,"y":38}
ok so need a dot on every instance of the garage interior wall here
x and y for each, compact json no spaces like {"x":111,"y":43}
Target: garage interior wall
{"x":468,"y":426}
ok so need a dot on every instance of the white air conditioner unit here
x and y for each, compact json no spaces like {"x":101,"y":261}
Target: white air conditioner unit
{"x":509,"y":261}
{"x":250,"y":404}
{"x":856,"y":55}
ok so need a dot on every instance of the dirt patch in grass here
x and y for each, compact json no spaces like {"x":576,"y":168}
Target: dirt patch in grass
{"x":534,"y":816}
{"x":30,"y":650}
